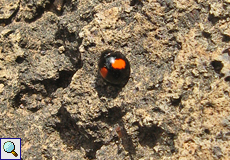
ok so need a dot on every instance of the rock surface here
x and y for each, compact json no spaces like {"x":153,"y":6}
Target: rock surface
{"x":176,"y":104}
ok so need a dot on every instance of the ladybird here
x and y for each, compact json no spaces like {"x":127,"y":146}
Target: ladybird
{"x":114,"y":67}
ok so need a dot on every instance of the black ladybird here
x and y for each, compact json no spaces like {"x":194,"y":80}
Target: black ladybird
{"x":114,"y":67}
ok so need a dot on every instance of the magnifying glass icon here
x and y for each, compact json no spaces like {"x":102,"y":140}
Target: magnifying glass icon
{"x":9,"y":147}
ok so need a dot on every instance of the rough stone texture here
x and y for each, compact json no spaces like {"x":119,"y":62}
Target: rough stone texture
{"x":8,"y":8}
{"x":176,"y":104}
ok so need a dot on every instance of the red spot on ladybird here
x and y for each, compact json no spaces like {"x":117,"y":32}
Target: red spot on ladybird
{"x":119,"y":64}
{"x":104,"y":72}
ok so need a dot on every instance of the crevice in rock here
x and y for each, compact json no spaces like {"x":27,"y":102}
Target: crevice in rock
{"x":113,"y":116}
{"x":64,"y":35}
{"x":136,"y":2}
{"x":158,"y":110}
{"x":148,"y":136}
{"x":88,"y":15}
{"x":27,"y":91}
{"x":47,"y":154}
{"x":169,"y":141}
{"x":214,"y":20}
{"x":39,"y":12}
{"x":226,"y":51}
{"x":226,"y":38}
{"x":45,"y":88}
{"x":75,"y":137}
{"x":176,"y":101}
{"x":63,"y":81}
{"x":20,"y":59}
{"x":227,"y":78}
{"x":217,"y":65}
{"x":11,"y":18}
{"x":207,"y":131}
{"x":17,"y":99}
{"x":65,"y":78}
{"x":206,"y":34}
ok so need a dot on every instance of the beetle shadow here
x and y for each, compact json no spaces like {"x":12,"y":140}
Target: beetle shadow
{"x":106,"y":89}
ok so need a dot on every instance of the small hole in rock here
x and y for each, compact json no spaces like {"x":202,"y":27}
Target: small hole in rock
{"x":176,"y":102}
{"x":226,"y":38}
{"x":227,"y":78}
{"x":217,"y":65}
{"x":19,"y":59}
{"x":226,"y":93}
{"x":135,"y":2}
{"x":206,"y":34}
{"x":227,"y":51}
{"x":207,"y":131}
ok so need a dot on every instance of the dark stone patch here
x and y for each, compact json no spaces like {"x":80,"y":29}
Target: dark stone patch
{"x":64,"y":35}
{"x":226,"y":51}
{"x":213,"y":19}
{"x":227,"y":78}
{"x":148,"y":136}
{"x":74,"y":136}
{"x":207,"y":131}
{"x":226,"y":38}
{"x":217,"y":65}
{"x":136,"y":2}
{"x":105,"y":89}
{"x":70,"y":5}
{"x":206,"y":34}
{"x":19,"y":60}
{"x":194,"y":16}
{"x":176,"y":101}
{"x":51,"y":85}
{"x":112,"y":116}
{"x":43,"y":88}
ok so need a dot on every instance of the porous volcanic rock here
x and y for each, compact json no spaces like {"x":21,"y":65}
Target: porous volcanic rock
{"x":176,"y":104}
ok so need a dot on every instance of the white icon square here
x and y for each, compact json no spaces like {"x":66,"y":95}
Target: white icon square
{"x":10,"y":148}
